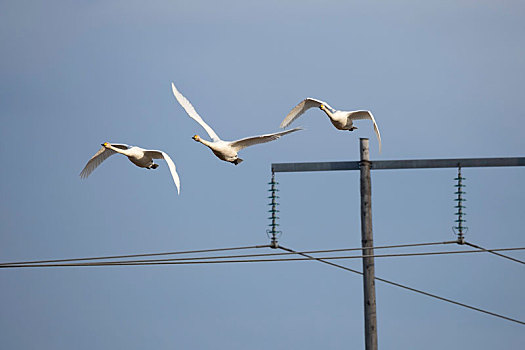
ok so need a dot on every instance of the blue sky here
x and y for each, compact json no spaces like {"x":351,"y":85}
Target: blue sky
{"x":444,"y":79}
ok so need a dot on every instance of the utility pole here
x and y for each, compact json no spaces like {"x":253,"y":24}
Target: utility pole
{"x":367,"y":243}
{"x":364,"y":166}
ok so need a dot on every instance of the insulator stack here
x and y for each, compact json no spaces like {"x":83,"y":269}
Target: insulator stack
{"x":273,"y":233}
{"x":460,"y":229}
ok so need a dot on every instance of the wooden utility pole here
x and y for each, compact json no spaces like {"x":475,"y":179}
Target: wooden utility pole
{"x":367,"y":243}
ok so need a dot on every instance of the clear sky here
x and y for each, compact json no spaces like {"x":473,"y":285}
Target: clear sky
{"x":444,"y":79}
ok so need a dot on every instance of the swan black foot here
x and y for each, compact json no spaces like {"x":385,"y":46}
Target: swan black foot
{"x":154,"y":166}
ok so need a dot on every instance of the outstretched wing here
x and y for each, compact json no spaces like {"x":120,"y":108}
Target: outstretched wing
{"x":193,"y":113}
{"x":356,"y":115}
{"x":161,"y":155}
{"x":302,"y":107}
{"x":249,"y":141}
{"x":99,"y":157}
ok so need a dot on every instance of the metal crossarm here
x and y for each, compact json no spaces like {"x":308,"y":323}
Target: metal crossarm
{"x":400,"y":164}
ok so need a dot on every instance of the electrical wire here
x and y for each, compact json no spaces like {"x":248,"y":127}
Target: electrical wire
{"x":132,"y":255}
{"x":410,"y":288}
{"x":195,"y":260}
{"x":492,"y":251}
{"x":203,"y":260}
{"x":215,"y":250}
{"x":326,"y":258}
{"x":215,"y":259}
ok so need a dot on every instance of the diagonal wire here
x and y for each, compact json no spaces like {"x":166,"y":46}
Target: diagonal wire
{"x":408,"y":288}
{"x":493,"y":252}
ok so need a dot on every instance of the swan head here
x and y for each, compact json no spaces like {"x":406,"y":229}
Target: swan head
{"x":105,"y":144}
{"x":327,"y":110}
{"x":196,"y":138}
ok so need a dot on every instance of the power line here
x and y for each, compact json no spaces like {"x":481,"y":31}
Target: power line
{"x":297,"y":259}
{"x":217,"y":250}
{"x":409,"y":288}
{"x":185,"y":261}
{"x":492,"y":251}
{"x":132,"y":255}
{"x":326,"y":258}
{"x":215,"y":259}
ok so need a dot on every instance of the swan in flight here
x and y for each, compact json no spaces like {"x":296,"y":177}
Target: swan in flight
{"x":342,"y":120}
{"x":225,"y":150}
{"x":141,"y":157}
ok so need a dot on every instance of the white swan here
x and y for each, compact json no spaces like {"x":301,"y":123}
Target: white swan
{"x":140,"y":157}
{"x":342,"y":120}
{"x":225,"y":150}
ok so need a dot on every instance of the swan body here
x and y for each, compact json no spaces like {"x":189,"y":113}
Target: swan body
{"x":342,"y":120}
{"x":224,"y":150}
{"x":141,"y":157}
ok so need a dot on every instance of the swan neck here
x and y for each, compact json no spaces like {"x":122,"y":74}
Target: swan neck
{"x":328,"y":113}
{"x":204,"y":142}
{"x":118,"y":150}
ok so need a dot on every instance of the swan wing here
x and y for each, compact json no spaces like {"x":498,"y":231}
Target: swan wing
{"x":254,"y":140}
{"x":302,"y":107}
{"x":161,"y":155}
{"x":193,"y":113}
{"x":102,"y":154}
{"x":356,"y":115}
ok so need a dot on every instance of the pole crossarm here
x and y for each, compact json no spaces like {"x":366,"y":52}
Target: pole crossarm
{"x":400,"y":164}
